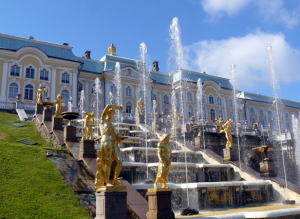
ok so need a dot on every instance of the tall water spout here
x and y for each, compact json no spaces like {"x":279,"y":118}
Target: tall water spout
{"x":70,"y":105}
{"x":81,"y":107}
{"x":117,"y":82}
{"x":154,"y":108}
{"x":276,"y":88}
{"x":296,"y":131}
{"x":174,"y":106}
{"x":97,"y":93}
{"x":200,"y":108}
{"x":235,"y":84}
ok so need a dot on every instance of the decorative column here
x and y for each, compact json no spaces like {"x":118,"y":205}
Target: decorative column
{"x":87,"y":94}
{"x":75,"y":75}
{"x":225,"y":109}
{"x":106,"y":98}
{"x":53,"y":83}
{"x":4,"y":80}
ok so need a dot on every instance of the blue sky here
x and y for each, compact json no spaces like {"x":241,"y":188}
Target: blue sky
{"x":214,"y":33}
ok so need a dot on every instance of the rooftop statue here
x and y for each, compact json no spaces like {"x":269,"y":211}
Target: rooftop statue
{"x":88,"y":123}
{"x":227,"y":131}
{"x":139,"y":106}
{"x":58,"y":102}
{"x":112,"y":50}
{"x":40,"y":94}
{"x":109,"y":149}
{"x":165,"y":158}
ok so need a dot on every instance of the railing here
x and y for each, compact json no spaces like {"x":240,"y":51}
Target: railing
{"x":7,"y":105}
{"x":25,"y":106}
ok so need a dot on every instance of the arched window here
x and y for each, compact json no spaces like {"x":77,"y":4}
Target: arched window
{"x":44,"y":75}
{"x":251,"y":111}
{"x":80,"y":86}
{"x":29,"y":72}
{"x":128,"y":91}
{"x":113,"y":89}
{"x":166,"y":99}
{"x":189,"y":96}
{"x":13,"y":90}
{"x":167,"y":111}
{"x":231,"y":116}
{"x":261,"y":112}
{"x":219,"y":101}
{"x":269,"y":113}
{"x":65,"y":78}
{"x":211,"y":99}
{"x":190,"y":111}
{"x":204,"y":99}
{"x":230,"y":104}
{"x":128,"y":107}
{"x":212,"y":114}
{"x":154,"y":97}
{"x":15,"y":70}
{"x":220,"y":113}
{"x":28,"y":92}
{"x":65,"y":95}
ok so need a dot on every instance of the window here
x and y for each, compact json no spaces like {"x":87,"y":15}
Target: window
{"x":92,"y":89}
{"x":166,"y":99}
{"x":219,"y":101}
{"x":231,"y":115}
{"x":154,"y":97}
{"x":80,"y":86}
{"x":211,"y":99}
{"x":204,"y":113}
{"x":113,"y":89}
{"x":44,"y":75}
{"x":28,"y":92}
{"x":230,"y":104}
{"x":45,"y":94}
{"x":212,"y":114}
{"x":128,"y":91}
{"x":166,"y":111}
{"x":251,"y":111}
{"x":65,"y":95}
{"x":65,"y":78}
{"x":203,"y":99}
{"x":286,"y":116}
{"x":128,"y":107}
{"x":29,"y":72}
{"x":261,"y":112}
{"x":13,"y":90}
{"x":15,"y":70}
{"x":189,"y":96}
{"x":252,"y":121}
{"x":269,"y":113}
{"x":190,"y":111}
{"x":220,"y":113}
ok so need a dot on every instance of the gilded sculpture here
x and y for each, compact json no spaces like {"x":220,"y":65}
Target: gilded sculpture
{"x":109,"y":149}
{"x":219,"y":123}
{"x":59,"y":105}
{"x":139,"y":106}
{"x":89,"y":123}
{"x":40,"y":94}
{"x":176,"y":118}
{"x":112,"y":50}
{"x":227,"y":131}
{"x":165,"y":158}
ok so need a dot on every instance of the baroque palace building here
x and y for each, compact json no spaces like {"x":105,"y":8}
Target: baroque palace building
{"x":27,"y":63}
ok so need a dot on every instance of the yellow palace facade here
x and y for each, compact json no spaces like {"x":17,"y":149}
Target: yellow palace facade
{"x":27,"y":63}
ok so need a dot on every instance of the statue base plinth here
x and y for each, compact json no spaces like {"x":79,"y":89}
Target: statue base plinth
{"x":47,"y":115}
{"x":288,"y":202}
{"x":198,"y":145}
{"x":57,"y":123}
{"x":112,"y":205}
{"x":118,"y":188}
{"x":140,"y":119}
{"x":160,"y":204}
{"x":230,"y":154}
{"x":87,"y":148}
{"x":267,"y":168}
{"x":70,"y":133}
{"x":39,"y":108}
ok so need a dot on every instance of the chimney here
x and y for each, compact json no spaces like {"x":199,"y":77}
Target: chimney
{"x":88,"y":54}
{"x":65,"y":44}
{"x":155,"y":66}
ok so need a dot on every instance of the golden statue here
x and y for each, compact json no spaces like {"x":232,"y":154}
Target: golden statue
{"x":219,"y":123}
{"x":139,"y":106}
{"x":176,"y":118}
{"x":165,"y":158}
{"x":112,"y":50}
{"x":109,"y":148}
{"x":58,"y":102}
{"x":254,"y":126}
{"x":227,"y":130}
{"x":40,"y":94}
{"x":88,"y":123}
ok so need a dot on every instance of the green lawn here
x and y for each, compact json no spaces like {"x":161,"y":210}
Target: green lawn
{"x":30,"y":184}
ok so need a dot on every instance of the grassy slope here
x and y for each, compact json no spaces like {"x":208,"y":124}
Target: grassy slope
{"x":29,"y":181}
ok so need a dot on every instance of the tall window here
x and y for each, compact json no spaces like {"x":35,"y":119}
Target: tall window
{"x":251,"y":111}
{"x":166,"y":99}
{"x":113,"y":89}
{"x":128,"y":91}
{"x":44,"y":75}
{"x":286,"y":116}
{"x":261,"y":112}
{"x":220,"y":113}
{"x":204,"y":113}
{"x":28,"y":92}
{"x":15,"y":70}
{"x":13,"y":90}
{"x":154,"y":97}
{"x":93,"y":89}
{"x":231,"y":115}
{"x":29,"y":72}
{"x":189,"y":96}
{"x":65,"y":78}
{"x":167,"y":111}
{"x":128,"y":107}
{"x":230,"y":104}
{"x":212,"y":114}
{"x":80,"y":86}
{"x":219,"y":101}
{"x":203,"y":99}
{"x":269,"y":113}
{"x":190,"y":111}
{"x":252,"y":121}
{"x":65,"y":95}
{"x":211,"y":99}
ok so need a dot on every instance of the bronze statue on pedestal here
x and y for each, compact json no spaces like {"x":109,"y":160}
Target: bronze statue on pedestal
{"x":40,"y":94}
{"x":88,"y":123}
{"x":227,"y":131}
{"x":58,"y":102}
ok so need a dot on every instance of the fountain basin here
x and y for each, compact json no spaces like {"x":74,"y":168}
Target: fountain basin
{"x":70,"y":115}
{"x":48,"y":104}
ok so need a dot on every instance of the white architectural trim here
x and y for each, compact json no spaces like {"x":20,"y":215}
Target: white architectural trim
{"x":13,"y":64}
{"x":34,"y":92}
{"x":35,"y":71}
{"x":4,"y":80}
{"x":53,"y":83}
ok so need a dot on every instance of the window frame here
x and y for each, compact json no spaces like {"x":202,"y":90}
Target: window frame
{"x":64,"y":80}
{"x":31,"y":72}
{"x":28,"y":95}
{"x":210,"y":113}
{"x":45,"y":71}
{"x":211,"y":99}
{"x":13,"y":96}
{"x":16,"y":67}
{"x":128,"y":91}
{"x":166,"y":99}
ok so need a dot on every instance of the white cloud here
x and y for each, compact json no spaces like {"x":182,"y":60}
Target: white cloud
{"x":249,"y":54}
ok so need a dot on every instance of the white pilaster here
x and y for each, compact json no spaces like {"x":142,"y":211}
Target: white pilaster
{"x":4,"y":81}
{"x":121,"y":94}
{"x":87,"y":94}
{"x":160,"y":102}
{"x":74,"y":95}
{"x":184,"y":105}
{"x":225,"y":108}
{"x":107,"y":90}
{"x":53,"y":83}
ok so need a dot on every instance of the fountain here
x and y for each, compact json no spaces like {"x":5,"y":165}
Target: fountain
{"x":69,"y":130}
{"x":97,"y":93}
{"x":200,"y":113}
{"x":81,"y":108}
{"x":296,"y":131}
{"x":47,"y":113}
{"x":117,"y":82}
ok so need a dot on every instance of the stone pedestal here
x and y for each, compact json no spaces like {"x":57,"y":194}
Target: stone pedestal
{"x":267,"y":168}
{"x":111,"y":205}
{"x":140,"y":119}
{"x":57,"y":123}
{"x":198,"y":142}
{"x":47,"y":115}
{"x":70,"y":133}
{"x":39,"y":108}
{"x":87,"y":148}
{"x":160,"y":204}
{"x":230,"y":154}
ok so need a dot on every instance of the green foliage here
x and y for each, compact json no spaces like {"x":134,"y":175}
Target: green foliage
{"x":30,"y":181}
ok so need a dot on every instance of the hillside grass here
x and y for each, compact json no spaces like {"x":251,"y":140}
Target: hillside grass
{"x":30,"y":184}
